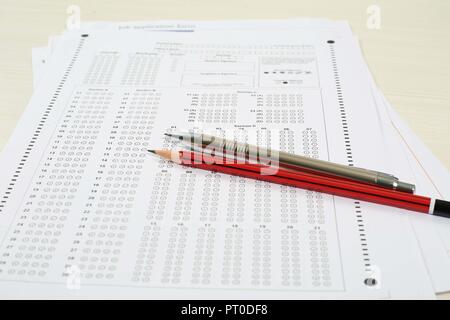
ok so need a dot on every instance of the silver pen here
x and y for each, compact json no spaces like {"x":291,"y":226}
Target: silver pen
{"x":293,"y":161}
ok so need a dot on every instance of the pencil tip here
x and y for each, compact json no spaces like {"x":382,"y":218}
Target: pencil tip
{"x":152,"y":151}
{"x":168,"y":134}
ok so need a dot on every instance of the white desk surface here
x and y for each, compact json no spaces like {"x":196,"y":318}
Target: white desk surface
{"x":408,"y":55}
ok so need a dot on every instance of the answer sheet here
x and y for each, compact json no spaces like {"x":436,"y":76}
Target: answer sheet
{"x":434,"y":242}
{"x":87,"y":211}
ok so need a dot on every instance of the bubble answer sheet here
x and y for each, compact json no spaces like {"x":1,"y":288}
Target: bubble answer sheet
{"x":425,"y":171}
{"x":87,"y":212}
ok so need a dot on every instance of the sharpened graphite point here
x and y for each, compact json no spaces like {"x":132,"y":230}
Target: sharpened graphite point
{"x":152,"y":151}
{"x":176,"y":136}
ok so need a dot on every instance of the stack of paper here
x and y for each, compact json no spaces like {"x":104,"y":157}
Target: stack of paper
{"x":87,"y":212}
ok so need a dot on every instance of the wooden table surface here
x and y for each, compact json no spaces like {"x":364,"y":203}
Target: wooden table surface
{"x":408,"y":55}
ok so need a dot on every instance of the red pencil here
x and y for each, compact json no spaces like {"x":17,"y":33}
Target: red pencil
{"x":309,"y":181}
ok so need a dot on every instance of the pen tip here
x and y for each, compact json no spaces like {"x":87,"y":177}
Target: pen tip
{"x":152,"y":151}
{"x":168,"y":134}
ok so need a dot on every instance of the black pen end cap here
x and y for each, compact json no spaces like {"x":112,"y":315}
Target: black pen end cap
{"x":441,"y":208}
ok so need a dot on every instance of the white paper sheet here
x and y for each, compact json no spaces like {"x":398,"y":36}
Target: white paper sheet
{"x":436,"y":176}
{"x":425,"y":226}
{"x":112,"y":86}
{"x":429,"y":176}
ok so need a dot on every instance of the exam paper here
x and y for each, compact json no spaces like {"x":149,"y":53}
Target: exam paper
{"x":431,"y":179}
{"x":432,"y":246}
{"x":178,"y":243}
{"x":426,"y":227}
